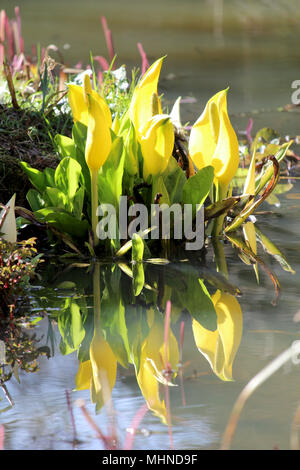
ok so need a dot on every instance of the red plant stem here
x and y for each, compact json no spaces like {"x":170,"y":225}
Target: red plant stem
{"x":145,"y":63}
{"x":180,"y":361}
{"x":20,"y":38}
{"x":169,"y":421}
{"x":181,"y":341}
{"x":2,"y":433}
{"x":108,"y":38}
{"x":134,"y":426}
{"x":2,"y":36}
{"x":10,"y":39}
{"x":70,"y":408}
{"x":106,"y":441}
{"x":102,"y":62}
{"x":166,"y":333}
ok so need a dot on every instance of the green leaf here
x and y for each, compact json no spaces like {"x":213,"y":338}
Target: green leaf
{"x":57,"y":198}
{"x":272,"y":249}
{"x":50,"y":177}
{"x":79,"y":133}
{"x":78,"y":201}
{"x":111,"y":175}
{"x":66,"y":146}
{"x":137,"y":248}
{"x":63,"y":221}
{"x":174,"y":179}
{"x":197,"y":187}
{"x":36,"y":177}
{"x":35,"y":200}
{"x":67,"y":176}
{"x":197,"y":300}
{"x":70,"y":326}
{"x":138,"y":280}
{"x":267,"y":171}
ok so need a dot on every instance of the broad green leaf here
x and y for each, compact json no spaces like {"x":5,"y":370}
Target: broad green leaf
{"x":79,"y":133}
{"x":111,"y":175}
{"x":50,"y":177}
{"x":174,"y":179}
{"x":70,"y":326}
{"x":197,"y":187}
{"x":57,"y":198}
{"x":36,"y":177}
{"x":63,"y":221}
{"x":196,"y":299}
{"x":78,"y":201}
{"x":66,"y":146}
{"x":67,"y":176}
{"x":35,"y":200}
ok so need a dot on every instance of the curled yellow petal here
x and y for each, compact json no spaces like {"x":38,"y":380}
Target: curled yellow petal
{"x":77,"y":104}
{"x":78,"y":100}
{"x":213,"y":140}
{"x":104,"y":369}
{"x":98,"y":143}
{"x":157,"y":143}
{"x":230,"y":326}
{"x":141,"y":106}
{"x":152,"y":365}
{"x":219,"y":347}
{"x":84,"y":375}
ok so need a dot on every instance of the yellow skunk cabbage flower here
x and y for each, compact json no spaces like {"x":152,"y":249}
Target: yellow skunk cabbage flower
{"x":8,"y":227}
{"x":152,"y":366}
{"x":104,"y":369}
{"x":219,"y":347}
{"x":213,"y":140}
{"x":79,"y":103}
{"x":98,"y":143}
{"x":84,"y":375}
{"x":145,"y":102}
{"x":157,"y":143}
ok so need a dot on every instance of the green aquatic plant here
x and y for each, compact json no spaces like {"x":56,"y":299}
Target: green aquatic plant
{"x":138,"y":153}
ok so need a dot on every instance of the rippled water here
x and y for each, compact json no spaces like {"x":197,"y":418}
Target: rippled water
{"x":259,"y":67}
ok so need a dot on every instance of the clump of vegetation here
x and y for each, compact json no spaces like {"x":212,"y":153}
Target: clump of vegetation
{"x":17,"y":267}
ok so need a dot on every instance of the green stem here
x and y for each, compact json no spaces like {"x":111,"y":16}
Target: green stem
{"x":221,"y":193}
{"x":97,"y":296}
{"x":220,"y":257}
{"x":94,"y":194}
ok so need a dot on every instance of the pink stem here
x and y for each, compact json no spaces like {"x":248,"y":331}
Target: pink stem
{"x":145,"y":63}
{"x":2,"y":433}
{"x":10,"y":39}
{"x":134,"y":426}
{"x":2,"y":36}
{"x":102,"y":62}
{"x":20,"y":38}
{"x":108,"y":38}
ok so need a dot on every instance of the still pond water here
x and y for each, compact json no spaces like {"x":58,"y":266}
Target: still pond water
{"x":259,"y":68}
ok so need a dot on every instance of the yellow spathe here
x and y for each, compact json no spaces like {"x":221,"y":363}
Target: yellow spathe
{"x":219,"y":347}
{"x":145,"y":97}
{"x":213,"y":140}
{"x":98,"y":143}
{"x":157,"y":143}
